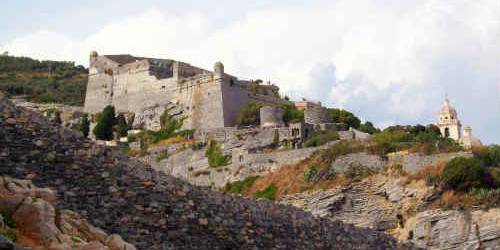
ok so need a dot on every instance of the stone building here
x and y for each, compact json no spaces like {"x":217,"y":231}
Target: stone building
{"x":450,"y":126}
{"x":206,"y":99}
{"x":314,"y":112}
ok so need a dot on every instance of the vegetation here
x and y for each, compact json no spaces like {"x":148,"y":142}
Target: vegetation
{"x":121,"y":125}
{"x":344,"y":116}
{"x":170,"y":130}
{"x":43,"y":81}
{"x":10,"y":235}
{"x":368,"y":127}
{"x":240,"y":187}
{"x":84,"y":125}
{"x":106,"y":120}
{"x":249,"y":115}
{"x":488,"y":155}
{"x":268,"y":193}
{"x":320,"y":137}
{"x":215,"y":156}
{"x":421,"y":139}
{"x":291,"y":114}
{"x":162,"y":155}
{"x":7,"y":218}
{"x":256,"y":87}
{"x":462,"y":174}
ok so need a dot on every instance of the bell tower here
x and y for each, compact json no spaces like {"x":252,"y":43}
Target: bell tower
{"x":448,"y":121}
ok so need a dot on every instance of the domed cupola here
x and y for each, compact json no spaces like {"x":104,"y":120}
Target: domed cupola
{"x":448,"y":121}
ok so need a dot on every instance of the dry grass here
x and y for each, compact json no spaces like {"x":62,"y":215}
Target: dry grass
{"x":290,"y":179}
{"x":428,"y":172}
{"x":173,"y":140}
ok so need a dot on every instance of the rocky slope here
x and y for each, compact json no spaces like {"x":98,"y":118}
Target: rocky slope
{"x":389,"y":203}
{"x":150,"y":209}
{"x":29,"y":217}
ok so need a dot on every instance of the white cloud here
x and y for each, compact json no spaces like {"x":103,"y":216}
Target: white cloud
{"x":389,"y":61}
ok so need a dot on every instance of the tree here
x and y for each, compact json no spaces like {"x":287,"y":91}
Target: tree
{"x":368,"y":127}
{"x":104,"y":128}
{"x":84,"y":125}
{"x":344,"y":116}
{"x":291,"y":114}
{"x":122,"y":126}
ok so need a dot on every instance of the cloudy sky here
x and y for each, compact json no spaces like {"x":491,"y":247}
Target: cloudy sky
{"x":390,"y":62}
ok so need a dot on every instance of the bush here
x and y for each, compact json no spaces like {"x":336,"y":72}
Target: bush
{"x":7,"y":218}
{"x":249,"y":115}
{"x":121,"y":125}
{"x":368,"y":127}
{"x":104,"y":128}
{"x":215,"y":156}
{"x":84,"y":125}
{"x":330,"y":154}
{"x":321,"y":137}
{"x":10,"y":235}
{"x":313,"y":174}
{"x":268,"y":193}
{"x":239,"y":187}
{"x":463,"y":174}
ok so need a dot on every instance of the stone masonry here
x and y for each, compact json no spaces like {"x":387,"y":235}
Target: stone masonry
{"x":137,"y":84}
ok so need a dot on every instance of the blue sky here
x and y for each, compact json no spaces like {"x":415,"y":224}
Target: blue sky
{"x":390,"y":62}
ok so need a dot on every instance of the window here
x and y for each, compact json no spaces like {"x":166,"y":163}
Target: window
{"x":447,"y":132}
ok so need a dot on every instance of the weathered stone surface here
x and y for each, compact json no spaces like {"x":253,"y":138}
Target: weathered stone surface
{"x":146,"y":197}
{"x":438,"y":229}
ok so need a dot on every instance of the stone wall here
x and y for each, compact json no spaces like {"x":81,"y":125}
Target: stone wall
{"x":152,"y":210}
{"x":414,"y":162}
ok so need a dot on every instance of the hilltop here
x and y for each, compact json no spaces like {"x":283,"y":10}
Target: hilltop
{"x":43,"y":81}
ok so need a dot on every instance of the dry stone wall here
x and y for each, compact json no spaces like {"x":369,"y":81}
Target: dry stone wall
{"x":152,"y":210}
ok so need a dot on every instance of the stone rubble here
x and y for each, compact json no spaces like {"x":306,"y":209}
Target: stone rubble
{"x":152,"y":210}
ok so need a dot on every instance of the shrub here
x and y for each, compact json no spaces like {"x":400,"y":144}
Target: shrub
{"x":239,"y":187}
{"x":162,"y":155}
{"x":249,"y":115}
{"x":368,"y":127}
{"x":104,"y":128}
{"x":121,"y":125}
{"x":84,"y":125}
{"x":268,"y":193}
{"x":169,"y":123}
{"x":10,"y":235}
{"x":313,"y":174}
{"x":7,"y":218}
{"x":494,"y":155}
{"x":462,"y":174}
{"x":358,"y":172}
{"x":321,"y":137}
{"x":215,"y":156}
{"x":330,"y":154}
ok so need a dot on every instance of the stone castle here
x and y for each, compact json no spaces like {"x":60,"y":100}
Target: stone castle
{"x":146,"y":87}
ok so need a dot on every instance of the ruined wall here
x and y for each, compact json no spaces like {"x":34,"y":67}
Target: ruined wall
{"x":414,"y":162}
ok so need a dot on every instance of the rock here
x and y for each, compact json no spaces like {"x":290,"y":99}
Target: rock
{"x":94,"y":245}
{"x":115,"y":242}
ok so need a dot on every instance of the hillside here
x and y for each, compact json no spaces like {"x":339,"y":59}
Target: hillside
{"x":43,"y":81}
{"x":152,"y":210}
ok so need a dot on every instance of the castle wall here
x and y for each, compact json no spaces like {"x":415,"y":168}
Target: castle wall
{"x":201,"y":98}
{"x":234,"y":98}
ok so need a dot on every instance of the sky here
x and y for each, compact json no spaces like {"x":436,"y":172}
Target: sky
{"x":389,"y":62}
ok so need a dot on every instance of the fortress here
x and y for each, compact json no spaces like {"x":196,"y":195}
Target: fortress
{"x":145,"y":87}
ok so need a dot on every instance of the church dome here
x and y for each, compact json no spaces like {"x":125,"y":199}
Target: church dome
{"x":447,"y":109}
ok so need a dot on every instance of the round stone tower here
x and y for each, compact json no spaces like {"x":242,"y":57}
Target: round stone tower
{"x":271,"y":116}
{"x":218,"y":70}
{"x":93,"y":56}
{"x":448,"y":121}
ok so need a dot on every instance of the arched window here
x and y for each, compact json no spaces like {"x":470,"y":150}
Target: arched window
{"x":447,"y":132}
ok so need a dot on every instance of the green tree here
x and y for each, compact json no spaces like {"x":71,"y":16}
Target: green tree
{"x":104,"y":128}
{"x":344,"y":116}
{"x":122,"y":126}
{"x":463,"y":174}
{"x":84,"y":125}
{"x":291,"y":114}
{"x":368,"y":127}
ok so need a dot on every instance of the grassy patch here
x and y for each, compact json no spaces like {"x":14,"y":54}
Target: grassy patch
{"x":239,"y":187}
{"x":215,"y":156}
{"x":268,"y":193}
